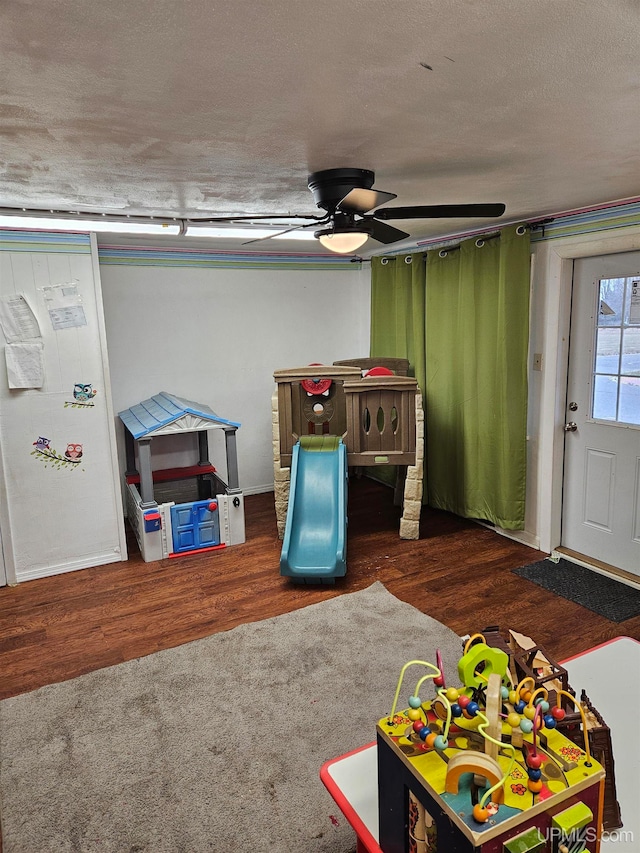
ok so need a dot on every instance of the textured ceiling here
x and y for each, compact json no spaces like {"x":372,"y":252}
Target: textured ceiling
{"x":213,"y":107}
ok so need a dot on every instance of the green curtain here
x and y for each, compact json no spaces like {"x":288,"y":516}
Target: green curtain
{"x":471,"y":362}
{"x":398,"y":321}
{"x":398,"y":310}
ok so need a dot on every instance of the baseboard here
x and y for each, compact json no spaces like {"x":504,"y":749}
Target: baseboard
{"x":258,"y":490}
{"x":522,"y":536}
{"x":74,"y":566}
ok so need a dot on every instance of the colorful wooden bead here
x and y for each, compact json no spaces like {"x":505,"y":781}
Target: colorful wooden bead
{"x":480,"y":814}
{"x":534,"y":760}
{"x":534,"y":787}
{"x":550,"y":721}
{"x":414,"y":702}
{"x":558,"y":713}
{"x":513,"y":720}
{"x":526,"y":726}
{"x":417,"y":725}
{"x":414,"y":714}
{"x":473,"y":708}
{"x":452,"y":694}
{"x":441,"y":742}
{"x":424,"y":732}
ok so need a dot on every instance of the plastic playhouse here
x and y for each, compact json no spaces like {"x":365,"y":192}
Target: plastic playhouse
{"x":501,"y":759}
{"x":327,"y":418}
{"x":178,"y":510}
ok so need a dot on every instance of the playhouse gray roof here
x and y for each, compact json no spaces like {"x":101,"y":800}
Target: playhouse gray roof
{"x":167,"y":413}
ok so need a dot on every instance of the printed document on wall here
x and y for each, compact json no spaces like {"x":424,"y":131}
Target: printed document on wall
{"x":64,"y":304}
{"x":25,"y":364}
{"x":17,"y":319}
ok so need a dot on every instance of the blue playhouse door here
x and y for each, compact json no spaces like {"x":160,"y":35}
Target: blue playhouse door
{"x":195,"y":525}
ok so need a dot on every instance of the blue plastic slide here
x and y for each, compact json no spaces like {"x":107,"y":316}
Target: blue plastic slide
{"x":315,"y":536}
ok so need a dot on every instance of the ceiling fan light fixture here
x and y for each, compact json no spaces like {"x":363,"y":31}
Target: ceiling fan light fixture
{"x":343,"y":240}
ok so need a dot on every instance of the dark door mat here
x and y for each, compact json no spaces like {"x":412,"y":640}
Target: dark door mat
{"x":607,"y":597}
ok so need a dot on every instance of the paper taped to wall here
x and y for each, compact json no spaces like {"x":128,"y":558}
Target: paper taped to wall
{"x":25,"y":365}
{"x":17,"y":320}
{"x":67,"y":318}
{"x":64,"y":304}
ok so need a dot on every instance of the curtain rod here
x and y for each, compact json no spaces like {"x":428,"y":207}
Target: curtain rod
{"x":480,"y":241}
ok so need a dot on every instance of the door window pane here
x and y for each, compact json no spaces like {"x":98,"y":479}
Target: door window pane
{"x":608,"y":351}
{"x":629,"y":400}
{"x":611,"y":301}
{"x":631,"y":352}
{"x":605,"y":397}
{"x":616,"y":372}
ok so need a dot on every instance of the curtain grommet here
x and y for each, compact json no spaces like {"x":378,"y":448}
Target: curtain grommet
{"x":479,"y":242}
{"x":443,"y":253}
{"x":520,"y":230}
{"x":384,"y":261}
{"x":408,"y":259}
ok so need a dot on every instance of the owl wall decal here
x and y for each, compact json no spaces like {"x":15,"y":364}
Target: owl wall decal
{"x":73,"y":451}
{"x":82,"y":391}
{"x":42,"y":443}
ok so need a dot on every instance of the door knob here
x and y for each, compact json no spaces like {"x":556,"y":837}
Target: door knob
{"x":572,"y":426}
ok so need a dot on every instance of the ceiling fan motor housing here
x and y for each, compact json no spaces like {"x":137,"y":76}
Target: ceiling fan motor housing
{"x":330,"y":186}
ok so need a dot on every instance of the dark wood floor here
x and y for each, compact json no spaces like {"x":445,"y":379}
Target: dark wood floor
{"x":458,"y":572}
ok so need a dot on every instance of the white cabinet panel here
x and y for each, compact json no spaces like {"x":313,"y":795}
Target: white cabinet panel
{"x":62,"y":502}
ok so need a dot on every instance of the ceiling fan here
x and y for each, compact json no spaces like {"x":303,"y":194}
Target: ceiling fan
{"x":353,"y":212}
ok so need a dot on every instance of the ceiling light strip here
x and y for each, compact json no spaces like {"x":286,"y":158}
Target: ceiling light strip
{"x":81,"y":221}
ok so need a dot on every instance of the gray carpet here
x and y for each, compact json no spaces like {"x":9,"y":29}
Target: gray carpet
{"x":215,"y":745}
{"x":603,"y":595}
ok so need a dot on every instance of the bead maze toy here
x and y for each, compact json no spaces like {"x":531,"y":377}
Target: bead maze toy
{"x":484,"y":765}
{"x":180,"y":510}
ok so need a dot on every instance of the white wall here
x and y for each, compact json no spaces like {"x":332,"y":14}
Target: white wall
{"x":216,"y":335}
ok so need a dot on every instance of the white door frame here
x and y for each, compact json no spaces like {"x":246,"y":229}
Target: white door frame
{"x":3,"y":573}
{"x":553,"y":274}
{"x":7,"y":564}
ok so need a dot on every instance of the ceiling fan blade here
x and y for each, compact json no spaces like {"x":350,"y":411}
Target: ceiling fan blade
{"x":386,"y":233}
{"x":279,"y":233}
{"x":440,"y":211}
{"x":362,"y":200}
{"x":251,"y":218}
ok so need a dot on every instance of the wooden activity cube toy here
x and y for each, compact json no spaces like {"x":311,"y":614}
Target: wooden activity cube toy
{"x":485,"y":767}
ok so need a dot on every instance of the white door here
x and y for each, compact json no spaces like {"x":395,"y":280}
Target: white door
{"x":601,"y":492}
